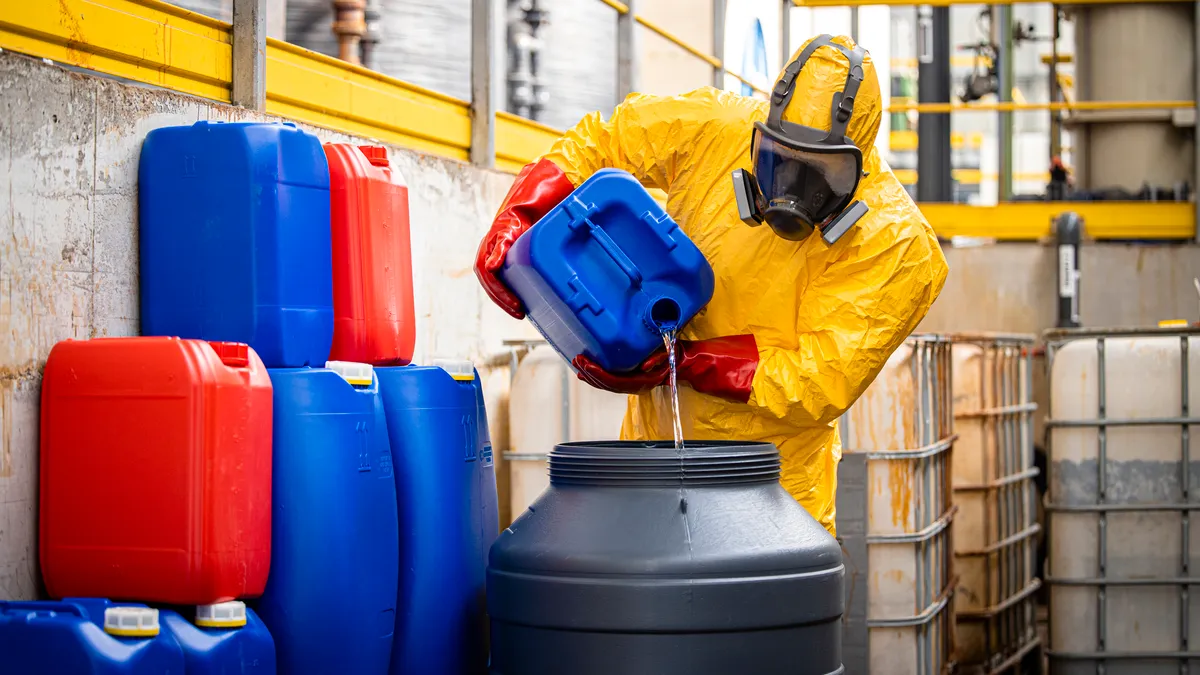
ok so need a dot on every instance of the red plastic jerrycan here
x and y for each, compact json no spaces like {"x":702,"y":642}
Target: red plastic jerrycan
{"x":155,"y":470}
{"x":372,"y":258}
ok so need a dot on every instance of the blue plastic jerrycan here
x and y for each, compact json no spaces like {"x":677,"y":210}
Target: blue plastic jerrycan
{"x":446,"y":493}
{"x":234,"y":238}
{"x":101,"y":637}
{"x":606,"y":271}
{"x":330,"y":599}
{"x":96,"y":637}
{"x":224,"y":639}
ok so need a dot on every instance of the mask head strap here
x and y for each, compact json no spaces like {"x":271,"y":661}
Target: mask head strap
{"x":843,"y":101}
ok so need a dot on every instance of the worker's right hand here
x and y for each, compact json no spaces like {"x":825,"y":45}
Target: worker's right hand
{"x":652,"y":373}
{"x":538,"y":188}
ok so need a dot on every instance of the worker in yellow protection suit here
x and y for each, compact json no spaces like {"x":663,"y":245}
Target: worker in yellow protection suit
{"x":807,"y":309}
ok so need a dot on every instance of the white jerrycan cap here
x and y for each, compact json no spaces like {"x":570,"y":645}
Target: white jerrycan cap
{"x":459,"y":369}
{"x":131,"y":621}
{"x":230,"y":614}
{"x":357,"y":374}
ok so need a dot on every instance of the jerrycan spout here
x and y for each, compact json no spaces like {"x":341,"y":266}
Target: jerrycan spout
{"x":663,"y":314}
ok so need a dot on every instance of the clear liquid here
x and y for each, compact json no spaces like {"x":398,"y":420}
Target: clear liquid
{"x":669,"y":342}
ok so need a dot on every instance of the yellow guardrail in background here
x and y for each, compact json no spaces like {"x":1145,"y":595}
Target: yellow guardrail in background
{"x":157,"y":43}
{"x":950,"y":3}
{"x":711,"y":60}
{"x":1031,"y":221}
{"x":905,"y":105}
{"x":972,"y":176}
{"x":143,"y":40}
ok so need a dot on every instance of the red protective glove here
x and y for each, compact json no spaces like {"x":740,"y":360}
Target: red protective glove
{"x":538,"y":188}
{"x":722,"y":367}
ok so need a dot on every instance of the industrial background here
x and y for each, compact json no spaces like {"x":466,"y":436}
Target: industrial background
{"x":983,"y":102}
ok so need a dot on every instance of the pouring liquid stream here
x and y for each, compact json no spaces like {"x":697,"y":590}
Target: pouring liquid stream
{"x":668,"y":336}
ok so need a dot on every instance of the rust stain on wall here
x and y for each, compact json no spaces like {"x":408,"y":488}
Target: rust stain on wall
{"x":71,"y":23}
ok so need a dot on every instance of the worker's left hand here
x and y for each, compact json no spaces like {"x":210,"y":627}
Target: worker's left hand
{"x":722,"y":367}
{"x":652,"y":373}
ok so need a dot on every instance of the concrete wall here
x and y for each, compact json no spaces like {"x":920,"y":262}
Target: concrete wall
{"x":1013,"y":287}
{"x":69,"y":148}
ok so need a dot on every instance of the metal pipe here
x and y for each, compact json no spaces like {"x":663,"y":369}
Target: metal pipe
{"x":483,"y":110}
{"x":626,"y":52}
{"x":785,"y":36}
{"x":1196,"y":145}
{"x":1055,"y":88}
{"x":520,"y":69}
{"x":1003,"y":26}
{"x":249,"y":78}
{"x":936,"y":182}
{"x":1023,"y":107}
{"x":372,"y":36}
{"x":718,"y":32}
{"x":349,"y":25}
{"x":536,"y":17}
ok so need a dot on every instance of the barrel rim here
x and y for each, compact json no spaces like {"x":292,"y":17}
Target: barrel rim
{"x":661,"y":449}
{"x":658,"y":463}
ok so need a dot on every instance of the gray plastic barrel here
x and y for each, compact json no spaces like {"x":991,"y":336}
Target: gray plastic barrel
{"x":639,"y":560}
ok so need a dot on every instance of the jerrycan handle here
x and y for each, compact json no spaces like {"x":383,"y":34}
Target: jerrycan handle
{"x":44,"y":607}
{"x":580,"y":214}
{"x":232,"y":354}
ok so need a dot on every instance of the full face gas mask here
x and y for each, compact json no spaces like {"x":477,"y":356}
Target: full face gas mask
{"x":804,"y":178}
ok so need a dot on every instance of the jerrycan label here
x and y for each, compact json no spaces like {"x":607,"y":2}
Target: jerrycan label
{"x":385,"y":463}
{"x":363,"y":433}
{"x":485,"y":454}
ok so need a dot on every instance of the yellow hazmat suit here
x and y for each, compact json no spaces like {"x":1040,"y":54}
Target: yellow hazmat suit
{"x":825,"y":318}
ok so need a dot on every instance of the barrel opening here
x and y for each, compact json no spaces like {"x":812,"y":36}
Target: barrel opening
{"x":665,"y":314}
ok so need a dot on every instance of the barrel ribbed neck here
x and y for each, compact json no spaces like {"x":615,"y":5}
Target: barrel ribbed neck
{"x":636,"y":464}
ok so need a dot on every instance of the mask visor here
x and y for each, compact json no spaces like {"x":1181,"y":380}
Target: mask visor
{"x":815,"y":181}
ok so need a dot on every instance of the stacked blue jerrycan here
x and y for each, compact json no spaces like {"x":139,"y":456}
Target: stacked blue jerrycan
{"x":330,"y":597}
{"x":446,"y":487}
{"x":607,"y":271}
{"x":225,"y":639}
{"x":99,"y":637}
{"x":234,"y":238}
{"x":489,"y":501}
{"x":49,"y":638}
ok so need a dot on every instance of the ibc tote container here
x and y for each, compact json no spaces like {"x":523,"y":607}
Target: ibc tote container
{"x":996,"y":524}
{"x":1124,"y":549}
{"x":894,"y":516}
